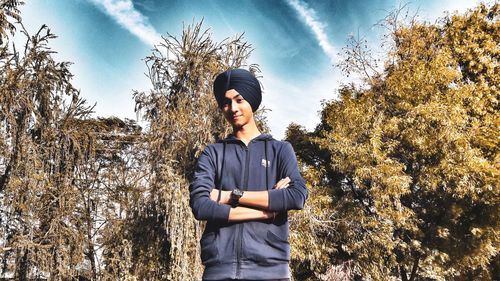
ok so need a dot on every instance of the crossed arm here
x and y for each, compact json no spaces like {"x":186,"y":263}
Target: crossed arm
{"x":255,"y":203}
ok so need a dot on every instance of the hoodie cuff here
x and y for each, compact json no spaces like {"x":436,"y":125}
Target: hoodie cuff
{"x":221,"y":213}
{"x":276,"y":200}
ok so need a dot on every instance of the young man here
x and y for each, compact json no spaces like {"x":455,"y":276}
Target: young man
{"x":243,"y":187}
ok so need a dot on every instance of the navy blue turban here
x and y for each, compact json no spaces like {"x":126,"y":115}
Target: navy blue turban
{"x":243,"y":82}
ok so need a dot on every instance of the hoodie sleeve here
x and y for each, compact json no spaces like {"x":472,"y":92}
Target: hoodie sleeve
{"x":294,"y":196}
{"x":199,"y":191}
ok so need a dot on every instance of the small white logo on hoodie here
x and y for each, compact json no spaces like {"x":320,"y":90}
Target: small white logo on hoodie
{"x":265,"y":163}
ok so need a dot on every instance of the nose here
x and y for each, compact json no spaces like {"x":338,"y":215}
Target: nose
{"x":234,"y":106}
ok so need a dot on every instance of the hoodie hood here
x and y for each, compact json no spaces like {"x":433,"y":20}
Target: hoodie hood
{"x":261,"y":137}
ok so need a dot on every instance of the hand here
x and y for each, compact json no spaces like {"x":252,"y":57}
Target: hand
{"x":283,"y":183}
{"x":224,"y":197}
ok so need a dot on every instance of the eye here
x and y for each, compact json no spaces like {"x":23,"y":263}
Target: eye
{"x":239,"y":100}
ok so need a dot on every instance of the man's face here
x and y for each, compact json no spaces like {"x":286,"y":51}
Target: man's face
{"x":237,"y":111}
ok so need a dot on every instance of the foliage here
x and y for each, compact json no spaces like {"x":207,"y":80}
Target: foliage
{"x":410,"y":159}
{"x":39,"y":233}
{"x":8,"y":10}
{"x":62,"y":174}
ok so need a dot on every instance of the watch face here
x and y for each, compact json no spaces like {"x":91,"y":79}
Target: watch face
{"x":235,"y":197}
{"x":237,"y":192}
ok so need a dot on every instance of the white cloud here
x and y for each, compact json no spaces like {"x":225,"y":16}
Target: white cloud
{"x":308,"y":16}
{"x":124,"y":13}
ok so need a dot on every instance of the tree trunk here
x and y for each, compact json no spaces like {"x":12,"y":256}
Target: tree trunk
{"x":21,"y":273}
{"x":90,"y":247}
{"x":403,"y":273}
{"x":415,"y":268}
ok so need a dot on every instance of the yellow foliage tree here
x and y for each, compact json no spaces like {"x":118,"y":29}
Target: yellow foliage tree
{"x":410,"y":159}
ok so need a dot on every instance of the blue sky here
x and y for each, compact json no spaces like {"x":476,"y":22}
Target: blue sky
{"x":296,"y":43}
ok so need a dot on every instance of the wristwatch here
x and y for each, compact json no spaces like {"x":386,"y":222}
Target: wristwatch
{"x":235,"y":197}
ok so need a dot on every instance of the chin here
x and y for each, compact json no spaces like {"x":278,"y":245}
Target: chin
{"x":238,"y":125}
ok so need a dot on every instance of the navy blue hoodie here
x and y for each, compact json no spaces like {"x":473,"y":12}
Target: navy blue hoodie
{"x":257,"y":249}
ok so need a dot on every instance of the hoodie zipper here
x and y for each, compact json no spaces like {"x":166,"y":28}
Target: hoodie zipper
{"x":239,"y":241}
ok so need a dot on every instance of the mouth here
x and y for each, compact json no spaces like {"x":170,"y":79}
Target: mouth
{"x":235,"y":117}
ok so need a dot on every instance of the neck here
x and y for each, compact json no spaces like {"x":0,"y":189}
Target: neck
{"x":247,"y":132}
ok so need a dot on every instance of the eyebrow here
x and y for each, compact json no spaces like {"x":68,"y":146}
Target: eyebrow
{"x":237,"y":96}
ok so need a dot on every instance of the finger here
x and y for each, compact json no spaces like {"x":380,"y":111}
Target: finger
{"x":277,"y":184}
{"x":282,"y":185}
{"x":284,"y":182}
